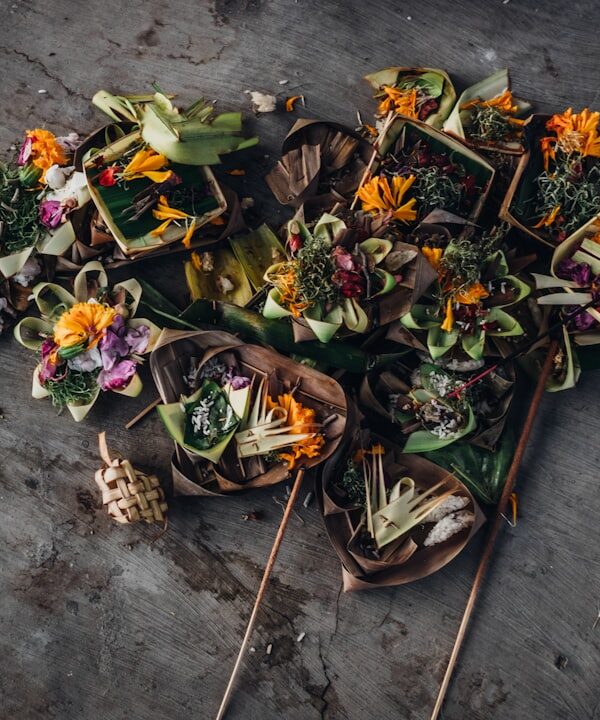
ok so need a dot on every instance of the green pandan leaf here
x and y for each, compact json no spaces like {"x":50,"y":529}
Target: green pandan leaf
{"x":474,"y":344}
{"x":355,"y":318}
{"x":328,"y":227}
{"x":377,"y":247}
{"x":425,"y":441}
{"x":326,"y":327}
{"x":509,"y":326}
{"x":421,"y":317}
{"x":549,"y":281}
{"x":522,"y":290}
{"x":565,"y":298}
{"x":388,"y":281}
{"x":273,"y":308}
{"x":482,"y":471}
{"x":439,"y":341}
{"x":432,"y":83}
{"x":222,"y":421}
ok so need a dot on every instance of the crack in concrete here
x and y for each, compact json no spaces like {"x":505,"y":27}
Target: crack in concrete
{"x":44,"y":69}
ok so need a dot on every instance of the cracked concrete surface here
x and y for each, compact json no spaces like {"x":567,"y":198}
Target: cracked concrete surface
{"x":97,"y":621}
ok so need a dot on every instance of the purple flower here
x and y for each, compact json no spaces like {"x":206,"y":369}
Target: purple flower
{"x":49,"y":364}
{"x":342,"y":258}
{"x":583,"y":321}
{"x":237,"y":382}
{"x":25,"y":152}
{"x":51,"y":213}
{"x":113,"y":345}
{"x":581,"y":273}
{"x":118,"y":377}
{"x":137,"y":338}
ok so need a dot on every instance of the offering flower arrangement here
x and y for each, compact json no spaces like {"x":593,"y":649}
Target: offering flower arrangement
{"x":337,"y":275}
{"x":557,"y":190}
{"x":433,"y":409}
{"x":425,"y":94}
{"x":392,"y":517}
{"x":86,"y":342}
{"x":467,"y":306}
{"x":39,"y":193}
{"x":440,"y":300}
{"x":488,"y":116}
{"x":423,"y":170}
{"x":241,"y":416}
{"x":153,"y":186}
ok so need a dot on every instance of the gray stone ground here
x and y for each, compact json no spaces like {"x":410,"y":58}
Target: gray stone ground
{"x":96,"y":622}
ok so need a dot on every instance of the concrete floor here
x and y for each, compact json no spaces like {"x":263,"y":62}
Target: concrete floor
{"x":97,"y":622}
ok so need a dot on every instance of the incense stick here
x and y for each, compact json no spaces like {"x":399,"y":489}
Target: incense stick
{"x":497,"y":524}
{"x":261,"y":592}
{"x":520,"y":351}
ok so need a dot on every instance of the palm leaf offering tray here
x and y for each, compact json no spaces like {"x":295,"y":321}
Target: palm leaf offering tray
{"x":270,"y":414}
{"x":383,"y":340}
{"x":126,"y":180}
{"x":392,"y":517}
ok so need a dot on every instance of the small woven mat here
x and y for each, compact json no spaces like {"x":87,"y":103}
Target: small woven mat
{"x":129,"y":494}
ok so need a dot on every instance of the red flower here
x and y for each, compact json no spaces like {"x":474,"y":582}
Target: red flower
{"x":295,"y":242}
{"x":107,"y":177}
{"x":428,"y":107}
{"x":350,"y":283}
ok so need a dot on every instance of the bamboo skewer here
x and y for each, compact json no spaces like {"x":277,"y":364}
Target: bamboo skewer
{"x":142,"y":414}
{"x":261,"y":592}
{"x":376,"y":145}
{"x":495,"y":529}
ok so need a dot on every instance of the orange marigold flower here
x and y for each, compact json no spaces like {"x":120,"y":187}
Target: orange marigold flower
{"x":471,"y":295}
{"x":291,"y":101}
{"x":377,"y":196}
{"x":433,"y":256}
{"x":84,"y":323}
{"x":168,"y":214}
{"x":503,"y":102}
{"x":301,"y":419}
{"x":147,"y":163}
{"x":548,"y":219}
{"x":574,"y":133}
{"x":285,"y":282}
{"x":46,"y":151}
{"x":402,"y":102}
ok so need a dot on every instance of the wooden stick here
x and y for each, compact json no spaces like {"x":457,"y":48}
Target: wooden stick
{"x":493,"y":535}
{"x":261,"y":591}
{"x":386,"y":126}
{"x":142,"y":414}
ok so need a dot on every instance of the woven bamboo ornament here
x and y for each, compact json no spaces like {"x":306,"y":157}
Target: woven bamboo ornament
{"x":129,"y":494}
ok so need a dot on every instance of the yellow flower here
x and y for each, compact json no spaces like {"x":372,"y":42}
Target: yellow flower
{"x":433,"y":255}
{"x":46,"y":151}
{"x":165,"y":212}
{"x":187,"y":238}
{"x":471,"y":294}
{"x":147,"y":163}
{"x":503,"y":102}
{"x":301,"y":420}
{"x":84,"y":323}
{"x":574,"y":133}
{"x":548,"y":219}
{"x":377,"y":196}
{"x":448,"y":323}
{"x":402,"y":102}
{"x":286,"y":284}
